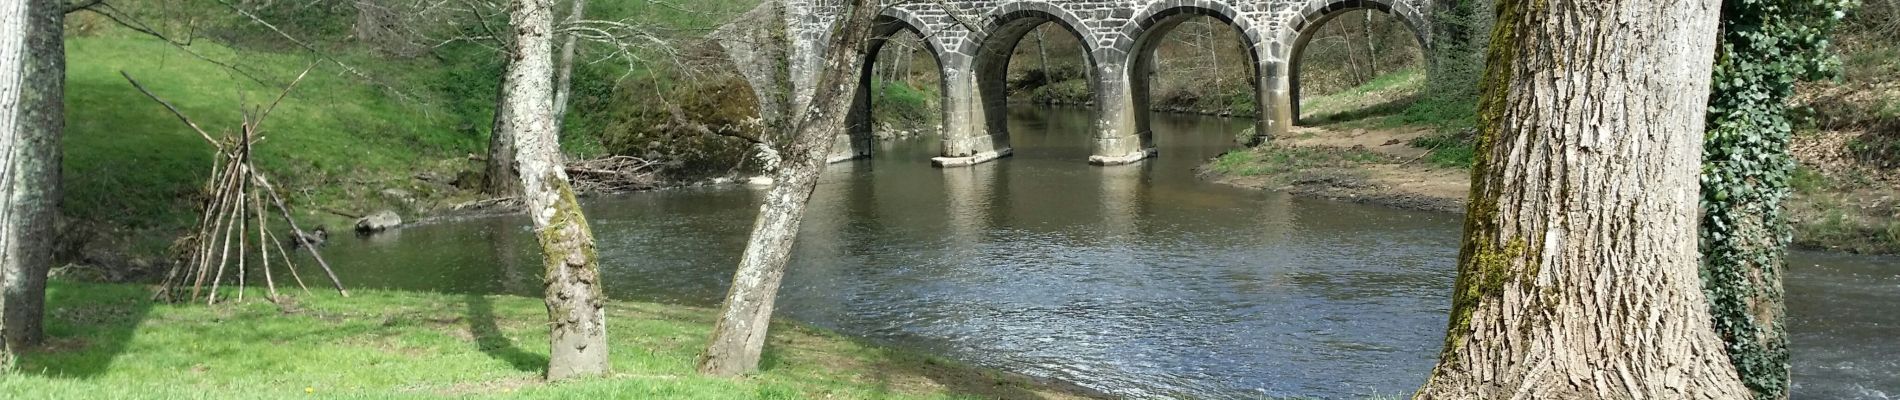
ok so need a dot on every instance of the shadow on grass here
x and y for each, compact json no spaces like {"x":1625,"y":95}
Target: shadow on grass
{"x":1391,"y":107}
{"x":891,"y":366}
{"x":490,"y":340}
{"x":87,"y":326}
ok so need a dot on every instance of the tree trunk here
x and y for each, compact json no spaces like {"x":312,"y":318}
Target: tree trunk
{"x":1372,"y":47}
{"x":738,"y":336}
{"x":502,"y":177}
{"x":1578,"y":275}
{"x":32,"y":114}
{"x":564,"y":82}
{"x":576,"y":317}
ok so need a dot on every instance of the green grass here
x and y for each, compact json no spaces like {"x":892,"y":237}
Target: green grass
{"x":130,"y":163}
{"x":1273,"y":160}
{"x":1377,"y":103}
{"x":903,"y":105}
{"x":1448,"y":149}
{"x":106,"y":341}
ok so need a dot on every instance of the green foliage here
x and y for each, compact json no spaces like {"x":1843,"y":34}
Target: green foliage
{"x":1449,"y":102}
{"x":898,"y":103}
{"x":1457,"y":65}
{"x":1767,"y":46}
{"x":110,"y":342}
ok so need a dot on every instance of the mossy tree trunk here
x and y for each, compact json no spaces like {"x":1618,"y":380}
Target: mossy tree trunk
{"x":577,"y":319}
{"x":1578,"y":274}
{"x":32,"y":114}
{"x":738,"y":337}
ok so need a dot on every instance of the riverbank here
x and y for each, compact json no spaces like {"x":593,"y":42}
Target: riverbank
{"x":1834,"y":207}
{"x":109,"y":341}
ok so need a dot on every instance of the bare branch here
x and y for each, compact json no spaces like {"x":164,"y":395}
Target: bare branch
{"x":280,"y":97}
{"x":174,"y":110}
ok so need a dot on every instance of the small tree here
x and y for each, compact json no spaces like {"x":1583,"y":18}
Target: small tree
{"x":577,"y":317}
{"x":738,"y":337}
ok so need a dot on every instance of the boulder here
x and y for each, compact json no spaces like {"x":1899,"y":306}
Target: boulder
{"x":378,"y":222}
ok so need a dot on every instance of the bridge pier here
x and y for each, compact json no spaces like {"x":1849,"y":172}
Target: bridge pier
{"x":971,"y":135}
{"x":1276,"y":103}
{"x":1120,"y":137}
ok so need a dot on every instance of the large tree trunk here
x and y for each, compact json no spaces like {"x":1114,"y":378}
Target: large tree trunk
{"x":32,"y":113}
{"x":1578,"y":275}
{"x":738,"y":337}
{"x":577,"y":318}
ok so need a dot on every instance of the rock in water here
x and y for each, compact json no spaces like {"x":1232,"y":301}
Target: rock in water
{"x":312,"y":239}
{"x":378,"y":222}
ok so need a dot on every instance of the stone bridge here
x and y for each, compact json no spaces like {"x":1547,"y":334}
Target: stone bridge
{"x":972,"y":41}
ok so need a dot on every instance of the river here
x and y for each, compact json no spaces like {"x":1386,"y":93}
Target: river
{"x":1140,"y":281}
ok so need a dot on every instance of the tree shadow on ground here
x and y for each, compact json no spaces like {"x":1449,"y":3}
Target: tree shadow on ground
{"x":1392,"y":107}
{"x":892,"y":368}
{"x":87,"y":326}
{"x":491,"y":341}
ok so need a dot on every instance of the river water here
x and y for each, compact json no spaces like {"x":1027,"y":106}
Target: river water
{"x":1140,"y":281}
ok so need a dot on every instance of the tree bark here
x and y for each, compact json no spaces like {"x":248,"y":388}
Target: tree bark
{"x":32,"y":115}
{"x":502,"y":177}
{"x":564,"y":82}
{"x":738,"y":337}
{"x":577,"y":318}
{"x":1578,"y":274}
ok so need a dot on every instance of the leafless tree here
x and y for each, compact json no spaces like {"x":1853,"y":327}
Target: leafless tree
{"x":577,"y":317}
{"x":738,"y":336}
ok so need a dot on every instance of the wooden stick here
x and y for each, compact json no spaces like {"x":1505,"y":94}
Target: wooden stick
{"x":280,"y":98}
{"x":285,"y":210}
{"x":224,"y":250}
{"x":204,"y":264}
{"x":174,"y":110}
{"x":263,"y":247}
{"x":287,"y":264}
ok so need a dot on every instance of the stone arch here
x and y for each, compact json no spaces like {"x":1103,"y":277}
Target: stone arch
{"x":992,"y":46}
{"x":860,"y":138}
{"x":1317,"y":12}
{"x":1141,"y":37}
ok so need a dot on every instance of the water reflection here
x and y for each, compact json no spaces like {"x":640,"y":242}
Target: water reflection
{"x":1139,"y":280}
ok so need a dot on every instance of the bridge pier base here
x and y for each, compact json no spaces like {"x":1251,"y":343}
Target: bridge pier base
{"x":1276,"y":101}
{"x":1120,"y":137}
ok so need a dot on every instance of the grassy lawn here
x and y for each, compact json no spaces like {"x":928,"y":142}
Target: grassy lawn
{"x":106,"y":341}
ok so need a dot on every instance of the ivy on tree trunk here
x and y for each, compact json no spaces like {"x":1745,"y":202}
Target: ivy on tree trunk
{"x":1767,"y":46}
